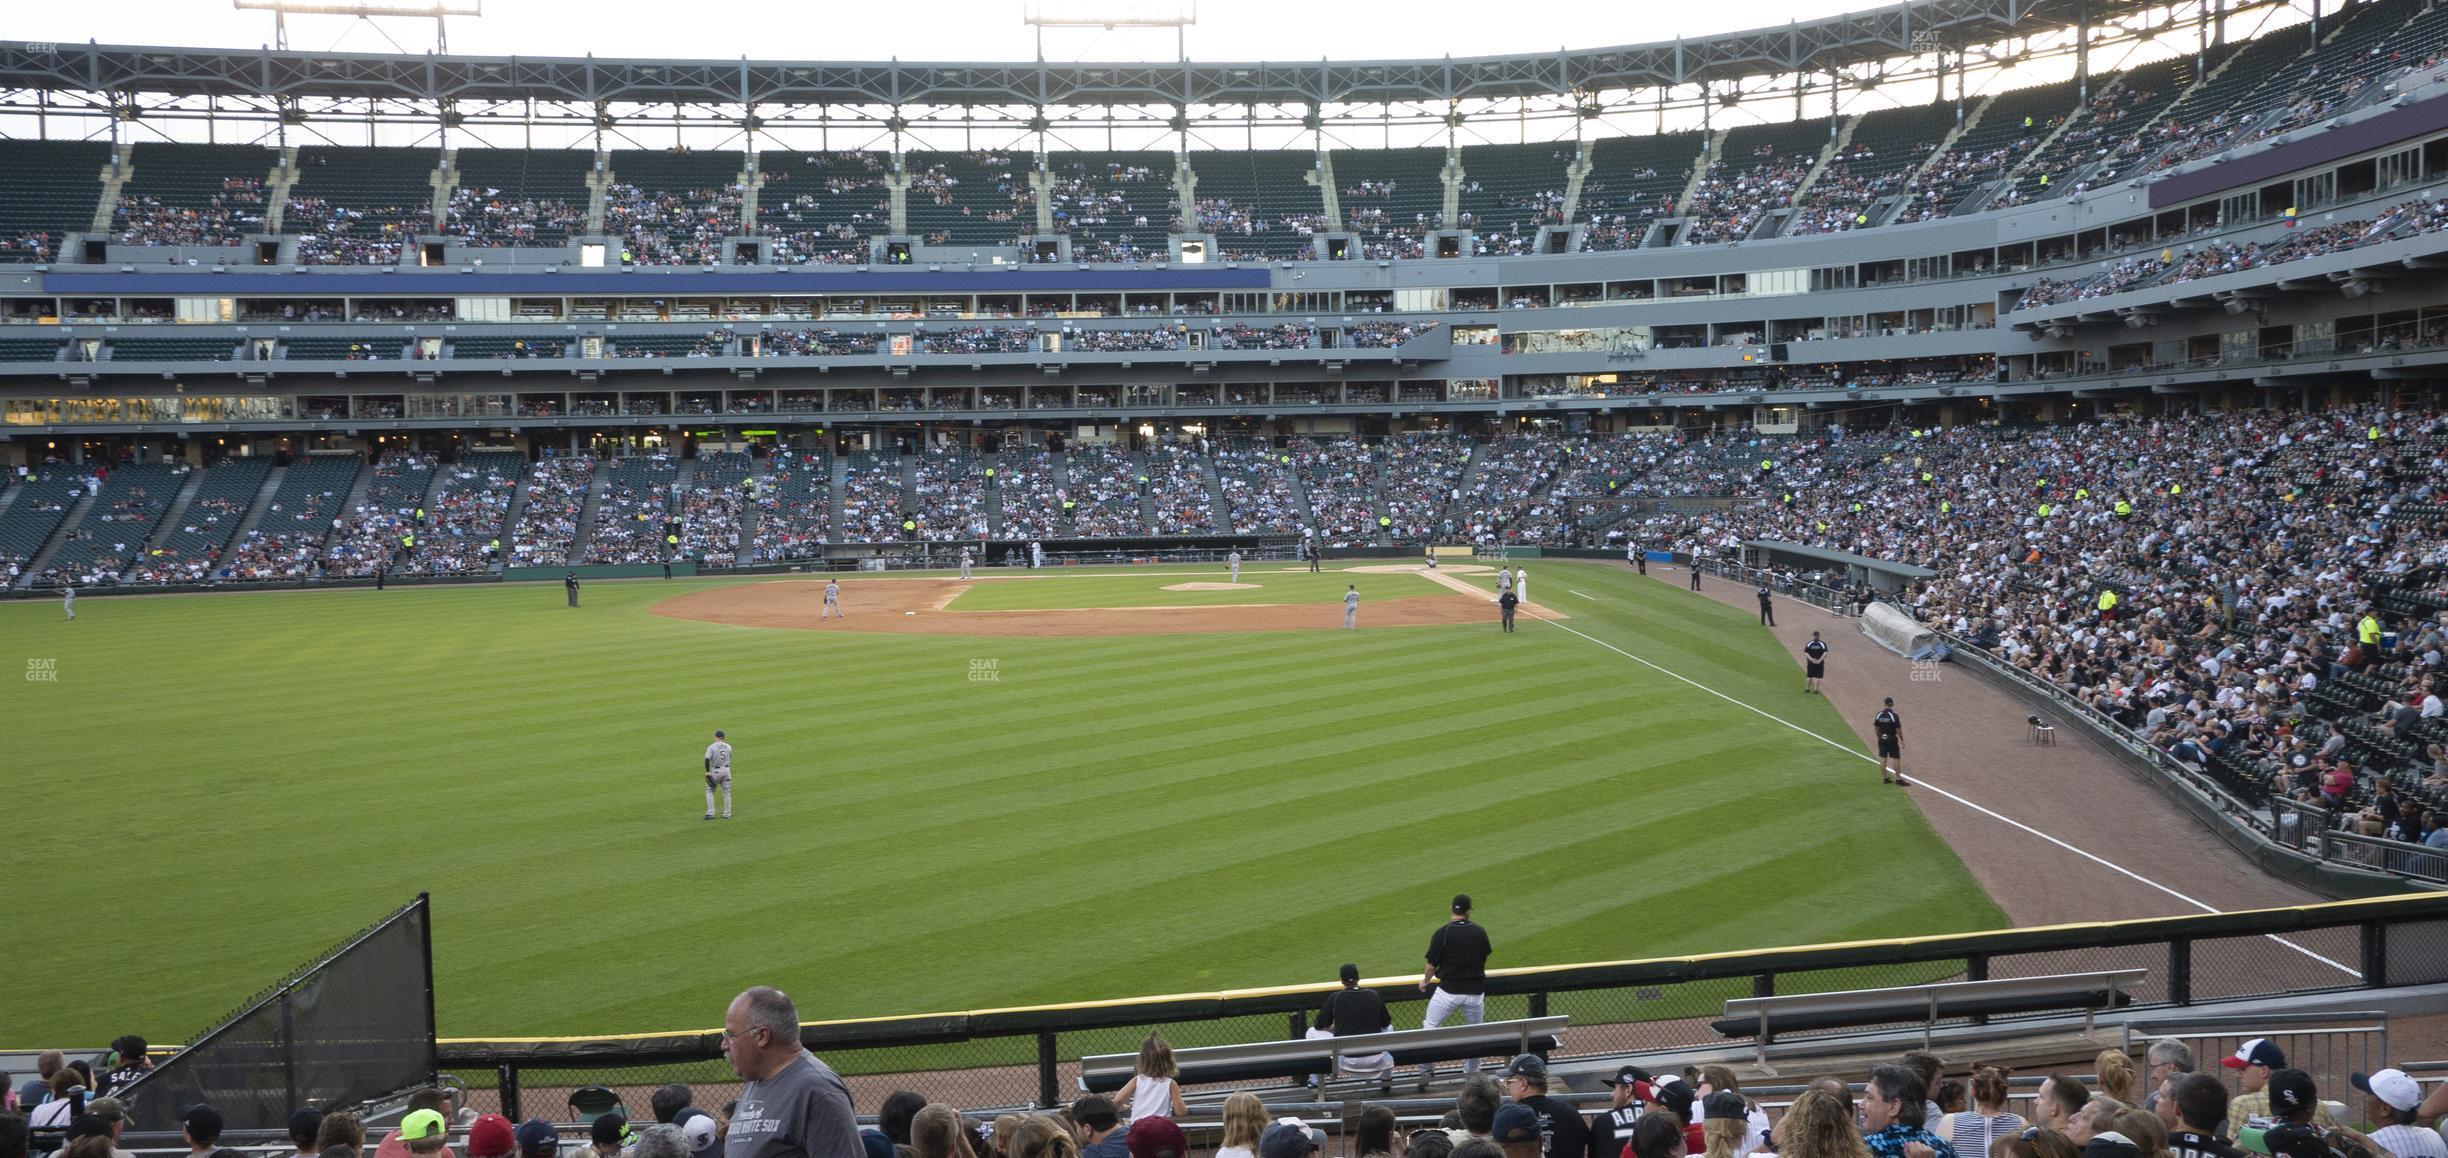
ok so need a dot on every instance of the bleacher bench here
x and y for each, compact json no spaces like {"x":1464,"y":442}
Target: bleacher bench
{"x":1105,"y":1073}
{"x":1763,"y":1017}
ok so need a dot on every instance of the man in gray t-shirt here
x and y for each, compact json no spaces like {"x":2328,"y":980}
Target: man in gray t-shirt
{"x":794,"y":1106}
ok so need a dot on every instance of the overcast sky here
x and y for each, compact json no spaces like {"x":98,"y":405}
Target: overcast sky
{"x":932,"y":30}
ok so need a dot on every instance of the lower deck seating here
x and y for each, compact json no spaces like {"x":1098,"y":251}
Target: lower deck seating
{"x":187,"y":554}
{"x":794,"y":506}
{"x":287,"y":542}
{"x":133,"y":500}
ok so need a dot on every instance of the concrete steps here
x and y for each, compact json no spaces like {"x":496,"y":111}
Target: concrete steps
{"x":1218,"y":505}
{"x":588,"y":510}
{"x":172,"y":516}
{"x":59,"y":535}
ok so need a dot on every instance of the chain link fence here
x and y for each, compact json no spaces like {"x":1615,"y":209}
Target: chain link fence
{"x":354,"y":1023}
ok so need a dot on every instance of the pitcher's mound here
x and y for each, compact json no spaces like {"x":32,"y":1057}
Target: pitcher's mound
{"x":1215,"y":587}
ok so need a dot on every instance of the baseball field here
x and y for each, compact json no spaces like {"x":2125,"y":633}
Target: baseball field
{"x":1096,"y":782}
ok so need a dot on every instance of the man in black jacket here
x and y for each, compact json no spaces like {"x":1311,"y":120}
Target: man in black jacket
{"x":1456,"y":977}
{"x":1354,"y":1012}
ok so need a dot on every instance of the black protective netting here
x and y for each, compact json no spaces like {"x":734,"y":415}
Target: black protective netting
{"x":355,"y":1023}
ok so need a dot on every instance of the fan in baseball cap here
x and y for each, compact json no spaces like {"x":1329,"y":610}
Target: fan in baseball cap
{"x":611,"y":1130}
{"x":2291,"y":1091}
{"x":2392,"y":1087}
{"x":491,"y":1136}
{"x":1289,"y":1138}
{"x":1725,"y":1106}
{"x":2257,"y":1052}
{"x":2296,"y":1140}
{"x":703,"y":1133}
{"x":538,"y":1138}
{"x":1515,"y":1123}
{"x":1157,"y":1137}
{"x":1626,"y":1075}
{"x":1528,"y":1065}
{"x":1669,"y":1091}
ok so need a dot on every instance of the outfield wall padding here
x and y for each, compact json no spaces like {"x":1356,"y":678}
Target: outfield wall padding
{"x":598,"y":571}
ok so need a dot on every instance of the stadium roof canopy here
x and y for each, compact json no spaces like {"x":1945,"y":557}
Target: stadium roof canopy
{"x":1914,"y":28}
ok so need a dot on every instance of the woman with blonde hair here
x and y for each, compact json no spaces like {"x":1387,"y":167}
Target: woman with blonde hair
{"x":1709,"y":1079}
{"x":1043,"y":1136}
{"x":2117,"y":1077}
{"x":1816,"y":1125}
{"x":1974,"y":1131}
{"x":1245,"y":1117}
{"x":937,"y":1131}
{"x":998,"y":1140}
{"x":1724,"y":1126}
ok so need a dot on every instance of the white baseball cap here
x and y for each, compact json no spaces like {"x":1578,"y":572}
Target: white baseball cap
{"x":2391,"y":1086}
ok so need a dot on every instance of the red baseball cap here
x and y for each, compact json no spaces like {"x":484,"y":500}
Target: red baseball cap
{"x":492,"y":1136}
{"x":1157,"y":1137}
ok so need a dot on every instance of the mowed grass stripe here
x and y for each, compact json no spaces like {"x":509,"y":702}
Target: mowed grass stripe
{"x":1115,"y":816}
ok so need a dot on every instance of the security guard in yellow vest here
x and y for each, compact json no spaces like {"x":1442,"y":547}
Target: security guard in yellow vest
{"x":2107,"y":606}
{"x":2368,"y":630}
{"x":2124,"y":510}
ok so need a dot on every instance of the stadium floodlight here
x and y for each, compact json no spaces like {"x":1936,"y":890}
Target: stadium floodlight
{"x":437,"y":11}
{"x":1110,"y":13}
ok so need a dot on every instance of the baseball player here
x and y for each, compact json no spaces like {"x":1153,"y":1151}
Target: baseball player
{"x":832,"y":602}
{"x":718,"y":772}
{"x":1351,"y":606}
{"x":1521,"y":584}
{"x":1234,"y":559}
{"x":1814,"y":662}
{"x":68,"y":601}
{"x":964,"y":562}
{"x":1504,"y":580}
{"x":1036,"y":554}
{"x":1890,"y":729}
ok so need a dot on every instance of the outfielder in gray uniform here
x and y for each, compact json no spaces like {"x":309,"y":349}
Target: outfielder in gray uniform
{"x":1235,"y":560}
{"x":68,"y":600}
{"x":832,"y":602}
{"x":718,"y":774}
{"x":1351,"y":607}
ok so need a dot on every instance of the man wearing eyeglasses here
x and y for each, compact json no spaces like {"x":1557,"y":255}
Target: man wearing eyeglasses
{"x":793,"y":1106}
{"x":2169,"y":1057}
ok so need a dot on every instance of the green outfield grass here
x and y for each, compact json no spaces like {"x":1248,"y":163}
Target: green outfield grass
{"x":1112,"y":589}
{"x":216,"y":787}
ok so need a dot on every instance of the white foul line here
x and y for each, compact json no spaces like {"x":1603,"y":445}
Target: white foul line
{"x":1582,"y":594}
{"x":1919,"y":781}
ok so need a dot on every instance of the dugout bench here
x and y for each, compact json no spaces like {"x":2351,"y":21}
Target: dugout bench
{"x":1763,"y":1017}
{"x":1105,"y":1073}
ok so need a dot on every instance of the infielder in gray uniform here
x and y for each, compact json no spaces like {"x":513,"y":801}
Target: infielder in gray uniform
{"x":1351,"y":607}
{"x":718,"y":773}
{"x":1235,"y":560}
{"x":964,"y":562}
{"x":832,"y":603}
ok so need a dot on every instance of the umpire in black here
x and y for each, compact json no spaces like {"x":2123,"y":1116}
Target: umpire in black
{"x":569,"y":583}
